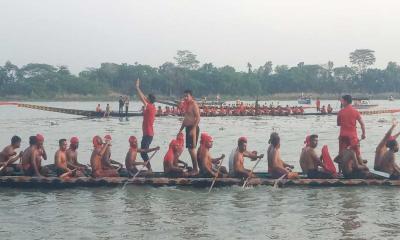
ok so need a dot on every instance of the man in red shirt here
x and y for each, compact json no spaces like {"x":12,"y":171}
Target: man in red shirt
{"x":149,"y":114}
{"x":318,"y":104}
{"x":347,"y":119}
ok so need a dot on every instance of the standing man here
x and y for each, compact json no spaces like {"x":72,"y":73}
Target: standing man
{"x":149,"y":114}
{"x":191,"y":124}
{"x":347,"y":119}
{"x":121,"y":106}
{"x":126,"y":106}
{"x":318,"y":104}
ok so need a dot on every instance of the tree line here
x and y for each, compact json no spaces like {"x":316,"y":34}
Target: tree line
{"x":171,"y":78}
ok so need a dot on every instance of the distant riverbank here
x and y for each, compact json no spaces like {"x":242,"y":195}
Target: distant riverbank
{"x":274,"y":97}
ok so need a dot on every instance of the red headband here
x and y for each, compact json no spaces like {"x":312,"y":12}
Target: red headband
{"x":74,"y":140}
{"x":39,"y":137}
{"x":132,"y":140}
{"x":242,"y":139}
{"x":205,"y":138}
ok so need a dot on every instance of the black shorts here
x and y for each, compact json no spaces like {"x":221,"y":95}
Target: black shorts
{"x":356,"y":174}
{"x":189,"y":138}
{"x":315,"y":174}
{"x":394,"y":177}
{"x":145,"y":144}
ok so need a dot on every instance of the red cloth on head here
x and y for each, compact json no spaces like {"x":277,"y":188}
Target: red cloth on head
{"x":74,"y":140}
{"x":242,"y":139}
{"x":132,"y":140}
{"x":391,"y":138}
{"x":96,"y":140}
{"x":39,"y":137}
{"x":205,"y":138}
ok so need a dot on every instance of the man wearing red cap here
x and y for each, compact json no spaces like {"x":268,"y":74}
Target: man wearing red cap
{"x":72,"y":157}
{"x":207,"y":164}
{"x":149,"y":114}
{"x":385,"y":154}
{"x":171,"y":160}
{"x":236,"y":160}
{"x":191,"y":125}
{"x":130,"y":159}
{"x":108,"y":163}
{"x":96,"y":159}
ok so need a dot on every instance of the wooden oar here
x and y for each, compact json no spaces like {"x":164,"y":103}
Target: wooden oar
{"x":128,"y":180}
{"x":279,"y":180}
{"x":215,"y":178}
{"x":251,"y":172}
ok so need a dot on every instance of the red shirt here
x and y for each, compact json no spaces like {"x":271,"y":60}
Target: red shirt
{"x":149,"y":114}
{"x":347,"y":118}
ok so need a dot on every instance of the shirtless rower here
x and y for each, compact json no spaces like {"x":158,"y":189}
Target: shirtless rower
{"x":350,"y":164}
{"x":310,"y":163}
{"x":108,"y":163}
{"x":236,"y":160}
{"x":276,"y":166}
{"x":208,"y":165}
{"x":130,"y":159}
{"x":191,"y":124}
{"x":8,"y":156}
{"x":31,"y":159}
{"x":72,"y":157}
{"x":171,"y":160}
{"x":60,"y":161}
{"x":96,"y":159}
{"x":382,"y":148}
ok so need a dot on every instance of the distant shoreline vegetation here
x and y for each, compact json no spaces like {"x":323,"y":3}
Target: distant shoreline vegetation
{"x":43,"y":81}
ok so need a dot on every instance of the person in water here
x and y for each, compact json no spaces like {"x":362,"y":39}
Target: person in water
{"x":96,"y":159}
{"x":9,"y":156}
{"x":149,"y":115}
{"x":72,"y":157}
{"x":208,"y":165}
{"x":236,"y":160}
{"x":310,"y":163}
{"x":191,"y":125}
{"x":385,"y":154}
{"x":350,"y":164}
{"x":276,"y":166}
{"x":130,"y":159}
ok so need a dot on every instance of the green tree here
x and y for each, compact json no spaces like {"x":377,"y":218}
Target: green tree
{"x":186,"y":59}
{"x":362,"y":58}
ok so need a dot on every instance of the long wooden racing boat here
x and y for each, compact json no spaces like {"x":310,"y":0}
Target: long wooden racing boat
{"x":159,"y":180}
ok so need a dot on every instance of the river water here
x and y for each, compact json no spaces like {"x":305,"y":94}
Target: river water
{"x":182,"y":213}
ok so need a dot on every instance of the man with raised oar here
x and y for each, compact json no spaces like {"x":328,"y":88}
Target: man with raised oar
{"x":236,"y":160}
{"x":385,"y":154}
{"x":208,"y":165}
{"x":149,"y":114}
{"x":8,"y":156}
{"x":276,"y":166}
{"x":72,"y":157}
{"x":191,"y":125}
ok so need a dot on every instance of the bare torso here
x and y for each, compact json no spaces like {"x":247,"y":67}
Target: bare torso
{"x":190,"y":114}
{"x":387,"y":163}
{"x":60,"y":159}
{"x":130,"y":159}
{"x":307,"y":161}
{"x":72,"y":156}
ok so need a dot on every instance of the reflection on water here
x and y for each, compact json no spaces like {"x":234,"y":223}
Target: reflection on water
{"x":182,"y":213}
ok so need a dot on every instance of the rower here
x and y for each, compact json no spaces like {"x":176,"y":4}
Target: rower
{"x":31,"y":165}
{"x":108,"y":111}
{"x":236,"y":160}
{"x":149,"y":115}
{"x":60,"y":161}
{"x":350,"y":164}
{"x":346,"y":119}
{"x":130,"y":159}
{"x":72,"y":157}
{"x":385,"y":154}
{"x":276,"y":166}
{"x":171,"y":160}
{"x":108,"y":163}
{"x":9,"y":155}
{"x":208,"y":165}
{"x":323,"y":110}
{"x":191,"y":124}
{"x":96,"y":159}
{"x":329,"y":109}
{"x":309,"y":161}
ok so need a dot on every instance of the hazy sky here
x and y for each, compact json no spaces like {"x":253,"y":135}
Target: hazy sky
{"x":84,"y":33}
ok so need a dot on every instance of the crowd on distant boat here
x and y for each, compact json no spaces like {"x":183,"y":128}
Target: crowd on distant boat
{"x":349,"y":161}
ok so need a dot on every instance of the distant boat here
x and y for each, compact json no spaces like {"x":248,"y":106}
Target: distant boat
{"x":304,"y":100}
{"x":391,"y":98}
{"x":363,"y":103}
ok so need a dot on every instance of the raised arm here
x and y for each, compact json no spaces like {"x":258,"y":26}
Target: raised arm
{"x":382,"y":143}
{"x":140,"y":93}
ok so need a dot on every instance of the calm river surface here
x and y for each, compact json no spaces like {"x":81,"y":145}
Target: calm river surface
{"x":182,"y":213}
